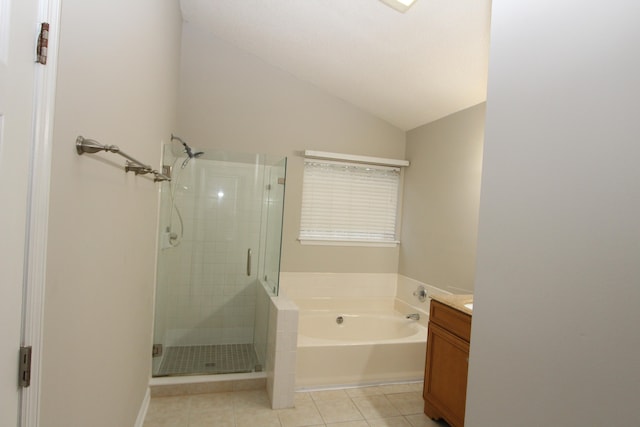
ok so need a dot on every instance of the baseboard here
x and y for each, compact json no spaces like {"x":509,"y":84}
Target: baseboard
{"x":142,"y":413}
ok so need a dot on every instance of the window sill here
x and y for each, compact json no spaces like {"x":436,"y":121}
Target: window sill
{"x":362,"y":243}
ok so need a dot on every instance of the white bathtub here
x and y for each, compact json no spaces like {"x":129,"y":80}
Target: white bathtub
{"x":368,"y":347}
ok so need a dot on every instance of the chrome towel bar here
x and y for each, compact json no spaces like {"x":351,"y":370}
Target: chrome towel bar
{"x":84,"y":145}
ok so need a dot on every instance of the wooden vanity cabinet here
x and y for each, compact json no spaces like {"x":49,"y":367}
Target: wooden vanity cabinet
{"x":446,"y":367}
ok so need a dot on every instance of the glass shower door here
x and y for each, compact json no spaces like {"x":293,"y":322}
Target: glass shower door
{"x":273,"y":224}
{"x":268,"y":277}
{"x":208,"y":262}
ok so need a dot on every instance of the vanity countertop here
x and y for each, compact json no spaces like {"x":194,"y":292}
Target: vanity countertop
{"x":456,"y":301}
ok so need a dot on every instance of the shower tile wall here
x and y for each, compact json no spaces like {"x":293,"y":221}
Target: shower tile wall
{"x":209,"y":297}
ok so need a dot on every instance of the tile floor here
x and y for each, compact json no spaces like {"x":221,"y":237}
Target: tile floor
{"x":396,"y":405}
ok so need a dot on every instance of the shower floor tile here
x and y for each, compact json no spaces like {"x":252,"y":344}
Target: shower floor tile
{"x":208,"y":359}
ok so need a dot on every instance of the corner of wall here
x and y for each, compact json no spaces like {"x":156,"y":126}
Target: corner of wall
{"x":439,"y":222}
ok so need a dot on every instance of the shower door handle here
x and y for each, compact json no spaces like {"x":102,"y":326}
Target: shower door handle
{"x":249,"y":262}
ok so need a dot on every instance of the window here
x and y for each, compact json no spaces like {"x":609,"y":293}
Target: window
{"x":349,"y":203}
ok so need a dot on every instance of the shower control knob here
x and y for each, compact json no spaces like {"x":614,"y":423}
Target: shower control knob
{"x":420,"y":293}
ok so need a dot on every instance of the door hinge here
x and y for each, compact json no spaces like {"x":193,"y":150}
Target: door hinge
{"x":43,"y":43}
{"x":24,"y":368}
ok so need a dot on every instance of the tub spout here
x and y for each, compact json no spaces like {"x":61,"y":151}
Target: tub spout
{"x":413,"y":316}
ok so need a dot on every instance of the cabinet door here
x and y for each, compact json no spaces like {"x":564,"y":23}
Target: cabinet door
{"x":445,"y":386}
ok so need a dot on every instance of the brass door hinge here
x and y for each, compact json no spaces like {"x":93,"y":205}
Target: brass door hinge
{"x":24,"y":367}
{"x":43,"y":44}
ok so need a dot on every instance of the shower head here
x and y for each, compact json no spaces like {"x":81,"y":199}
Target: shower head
{"x":187,"y":149}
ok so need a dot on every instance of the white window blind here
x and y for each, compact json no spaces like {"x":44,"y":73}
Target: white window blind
{"x":347,"y":202}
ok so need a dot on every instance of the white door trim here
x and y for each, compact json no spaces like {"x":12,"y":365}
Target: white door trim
{"x":38,"y":211}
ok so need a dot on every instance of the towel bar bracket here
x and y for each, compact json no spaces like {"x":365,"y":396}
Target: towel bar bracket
{"x":84,"y":145}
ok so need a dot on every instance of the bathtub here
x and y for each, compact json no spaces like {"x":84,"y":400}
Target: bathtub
{"x":357,"y":347}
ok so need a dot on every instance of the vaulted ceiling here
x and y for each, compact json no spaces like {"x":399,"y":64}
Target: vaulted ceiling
{"x":408,"y":69}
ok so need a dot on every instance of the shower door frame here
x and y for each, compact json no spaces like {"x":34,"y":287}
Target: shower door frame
{"x":251,"y":202}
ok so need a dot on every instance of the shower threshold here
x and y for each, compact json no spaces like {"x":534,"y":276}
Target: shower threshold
{"x":208,"y":359}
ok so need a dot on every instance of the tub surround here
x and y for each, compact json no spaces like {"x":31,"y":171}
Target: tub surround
{"x":456,"y":302}
{"x":327,"y":361}
{"x":406,"y":300}
{"x":345,"y":303}
{"x":361,"y":286}
{"x":298,"y":285}
{"x":358,"y":291}
{"x":366,"y":291}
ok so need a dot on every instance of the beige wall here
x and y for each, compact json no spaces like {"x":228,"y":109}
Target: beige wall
{"x":117,"y":83}
{"x":441,"y":201}
{"x":232,"y":100}
{"x":555,"y":326}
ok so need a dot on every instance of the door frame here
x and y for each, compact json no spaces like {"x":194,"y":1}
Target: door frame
{"x":38,"y":210}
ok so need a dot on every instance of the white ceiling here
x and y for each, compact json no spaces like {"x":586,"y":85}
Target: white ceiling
{"x":408,"y":69}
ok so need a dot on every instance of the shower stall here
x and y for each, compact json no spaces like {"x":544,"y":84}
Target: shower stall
{"x":218,"y":260}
